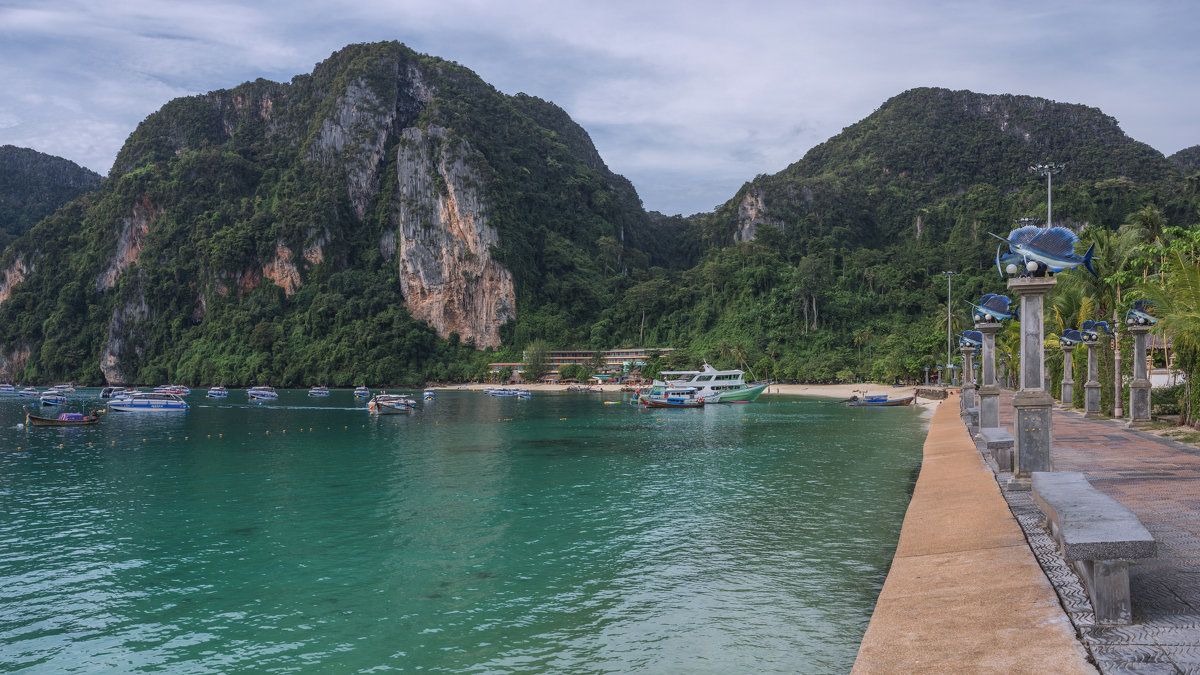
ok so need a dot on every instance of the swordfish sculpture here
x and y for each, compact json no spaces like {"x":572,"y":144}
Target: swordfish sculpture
{"x":1139,"y":315}
{"x":1091,"y":330}
{"x":993,"y":307}
{"x":1070,"y":337}
{"x":970,"y":338}
{"x":1052,"y":248}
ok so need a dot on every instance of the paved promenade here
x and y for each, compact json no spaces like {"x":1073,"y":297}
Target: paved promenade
{"x":964,"y":593}
{"x":1159,"y":481}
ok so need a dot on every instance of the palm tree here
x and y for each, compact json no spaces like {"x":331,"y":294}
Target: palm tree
{"x":1176,"y":299}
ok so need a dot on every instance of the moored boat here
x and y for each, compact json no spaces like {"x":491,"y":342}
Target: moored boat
{"x":63,"y":420}
{"x":319,"y":391}
{"x":177,"y":389}
{"x":51,"y":397}
{"x":879,"y":400}
{"x":362,"y":392}
{"x":63,"y":389}
{"x":716,"y":386}
{"x":428,"y":395}
{"x":664,"y":395}
{"x":386,"y":404}
{"x":28,"y":392}
{"x":7,"y":390}
{"x":217,"y":392}
{"x":261,"y":393}
{"x":148,"y":401}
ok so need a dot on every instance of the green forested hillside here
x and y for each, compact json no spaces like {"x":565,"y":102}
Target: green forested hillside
{"x":250,"y":235}
{"x":33,"y":185}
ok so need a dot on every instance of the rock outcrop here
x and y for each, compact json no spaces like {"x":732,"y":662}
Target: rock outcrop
{"x":442,"y":241}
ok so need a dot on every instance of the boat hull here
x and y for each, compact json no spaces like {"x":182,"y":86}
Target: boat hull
{"x":36,"y":421}
{"x":746,"y":395}
{"x":898,"y":401}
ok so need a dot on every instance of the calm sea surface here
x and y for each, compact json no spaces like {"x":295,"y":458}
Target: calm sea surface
{"x":473,"y":535}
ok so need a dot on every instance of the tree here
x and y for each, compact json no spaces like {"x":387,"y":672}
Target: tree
{"x":535,"y":361}
{"x":1177,"y":307}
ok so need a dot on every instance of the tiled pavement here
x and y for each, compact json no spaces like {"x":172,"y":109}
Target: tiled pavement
{"x":1158,"y":480}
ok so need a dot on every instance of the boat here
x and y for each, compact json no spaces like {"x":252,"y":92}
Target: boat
{"x":7,"y":390}
{"x":716,"y":386}
{"x":63,"y":420}
{"x":28,"y":392}
{"x":217,"y":392}
{"x":63,"y":389}
{"x":109,"y":392}
{"x":665,"y":395}
{"x":428,"y":395}
{"x":51,"y":397}
{"x":386,"y":404}
{"x":319,"y":391}
{"x":261,"y":394}
{"x":362,"y":392}
{"x":178,"y":389}
{"x":148,"y":401}
{"x":879,"y":400}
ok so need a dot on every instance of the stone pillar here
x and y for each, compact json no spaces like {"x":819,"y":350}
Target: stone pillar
{"x":1032,"y":404}
{"x":1139,"y":389}
{"x":926,"y":376}
{"x":1068,"y":381}
{"x":968,"y":394}
{"x":989,"y":392}
{"x":1091,"y":388}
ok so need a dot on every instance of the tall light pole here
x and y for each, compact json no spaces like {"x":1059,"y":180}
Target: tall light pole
{"x":948,"y":277}
{"x":1047,"y":170}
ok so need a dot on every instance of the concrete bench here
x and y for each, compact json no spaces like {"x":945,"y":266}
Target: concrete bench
{"x":1097,"y":535}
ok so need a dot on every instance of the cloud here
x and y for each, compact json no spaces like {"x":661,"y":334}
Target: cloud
{"x":687,"y":99}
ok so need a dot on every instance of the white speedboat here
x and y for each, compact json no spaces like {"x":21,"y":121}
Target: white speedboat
{"x":664,"y":395}
{"x":387,"y":404}
{"x":362,"y":392}
{"x":428,"y":395}
{"x":261,"y":394}
{"x":51,"y":397}
{"x":28,"y":392}
{"x":7,"y":390}
{"x":148,"y":401}
{"x":319,"y":391}
{"x":217,"y":392}
{"x":63,"y":389}
{"x":716,"y":386}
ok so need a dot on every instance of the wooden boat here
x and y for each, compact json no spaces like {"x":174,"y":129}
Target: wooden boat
{"x":880,"y":400}
{"x":63,"y":420}
{"x":390,"y":404}
{"x":662,"y":395}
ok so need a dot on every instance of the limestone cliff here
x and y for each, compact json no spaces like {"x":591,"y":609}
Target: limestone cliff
{"x":442,"y":241}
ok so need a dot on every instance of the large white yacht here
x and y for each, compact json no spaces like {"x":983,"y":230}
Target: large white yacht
{"x":716,"y":386}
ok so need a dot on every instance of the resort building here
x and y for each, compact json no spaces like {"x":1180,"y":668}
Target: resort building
{"x":615,"y":360}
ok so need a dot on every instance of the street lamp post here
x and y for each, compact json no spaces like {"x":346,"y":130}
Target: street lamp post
{"x":949,"y":275}
{"x":1048,"y":170}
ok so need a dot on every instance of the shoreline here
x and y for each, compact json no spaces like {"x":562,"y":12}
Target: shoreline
{"x":836,"y":391}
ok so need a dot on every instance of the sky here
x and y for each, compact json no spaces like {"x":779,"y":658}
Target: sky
{"x":687,"y":99}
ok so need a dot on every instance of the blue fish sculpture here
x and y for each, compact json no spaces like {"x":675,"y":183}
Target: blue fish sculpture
{"x":993,"y":307}
{"x":1070,"y":337}
{"x":970,"y":338}
{"x":1139,"y":316}
{"x":1091,"y":330}
{"x":1053,"y":247}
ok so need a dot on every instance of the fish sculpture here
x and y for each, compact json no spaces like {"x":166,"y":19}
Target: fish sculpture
{"x":993,"y":307}
{"x":1052,"y":248}
{"x":970,"y":338}
{"x":1091,"y":330}
{"x":1070,"y":338}
{"x":1138,"y":316}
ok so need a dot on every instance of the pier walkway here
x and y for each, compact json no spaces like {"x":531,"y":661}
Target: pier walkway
{"x":964,"y":595}
{"x":1159,"y":480}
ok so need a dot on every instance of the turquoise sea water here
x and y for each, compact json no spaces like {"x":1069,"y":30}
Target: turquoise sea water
{"x":473,"y":535}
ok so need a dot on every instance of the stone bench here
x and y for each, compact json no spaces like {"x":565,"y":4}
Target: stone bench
{"x":999,"y":442}
{"x":1097,"y":535}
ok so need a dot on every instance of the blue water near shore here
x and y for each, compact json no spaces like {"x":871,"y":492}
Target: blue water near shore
{"x":473,"y":535}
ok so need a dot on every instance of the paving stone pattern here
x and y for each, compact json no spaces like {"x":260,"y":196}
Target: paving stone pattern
{"x":1159,"y":480}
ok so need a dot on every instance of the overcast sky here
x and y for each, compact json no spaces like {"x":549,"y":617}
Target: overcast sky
{"x":688,"y":99}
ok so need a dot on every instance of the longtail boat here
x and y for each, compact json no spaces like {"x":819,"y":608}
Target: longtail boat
{"x":63,"y":420}
{"x":880,"y":400}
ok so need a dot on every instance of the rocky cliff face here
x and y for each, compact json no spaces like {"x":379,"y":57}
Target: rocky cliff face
{"x":441,"y":241}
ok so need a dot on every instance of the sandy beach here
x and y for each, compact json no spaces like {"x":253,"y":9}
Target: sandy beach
{"x":836,"y":391}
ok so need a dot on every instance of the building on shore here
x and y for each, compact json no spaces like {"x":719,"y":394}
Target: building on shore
{"x":615,"y":360}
